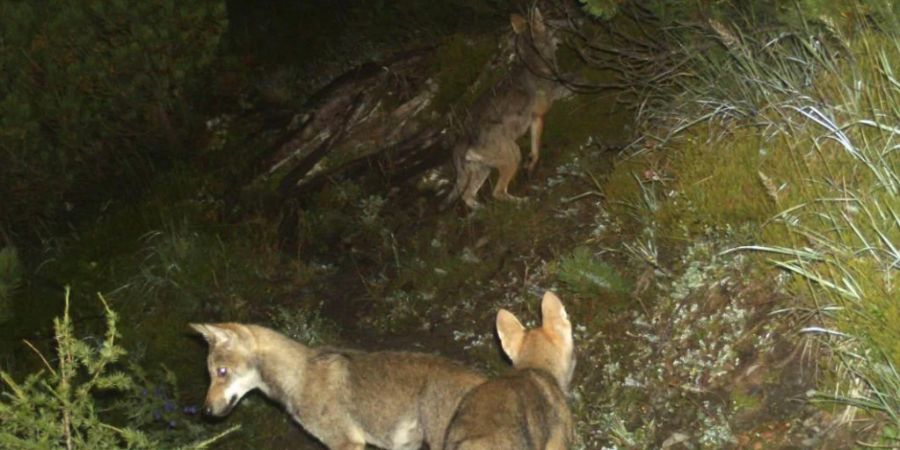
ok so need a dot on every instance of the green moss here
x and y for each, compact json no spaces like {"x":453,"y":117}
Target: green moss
{"x":742,"y":401}
{"x":718,"y":183}
{"x":571,"y":122}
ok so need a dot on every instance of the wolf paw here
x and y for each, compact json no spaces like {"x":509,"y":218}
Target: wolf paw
{"x":473,"y":205}
{"x":512,"y":198}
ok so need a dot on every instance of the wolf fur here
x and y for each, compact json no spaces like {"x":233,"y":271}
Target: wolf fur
{"x":505,"y":113}
{"x":345,"y":398}
{"x":525,"y":409}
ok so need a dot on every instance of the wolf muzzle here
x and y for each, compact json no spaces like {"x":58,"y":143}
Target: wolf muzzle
{"x":210,"y":411}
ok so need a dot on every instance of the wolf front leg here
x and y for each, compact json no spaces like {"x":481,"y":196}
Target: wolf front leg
{"x":537,"y":127}
{"x":508,"y":166}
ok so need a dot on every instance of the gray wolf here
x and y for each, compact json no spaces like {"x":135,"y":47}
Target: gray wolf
{"x":525,"y":409}
{"x":345,"y":398}
{"x":501,"y":116}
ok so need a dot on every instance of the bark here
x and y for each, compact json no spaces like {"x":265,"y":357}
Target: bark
{"x":375,"y":117}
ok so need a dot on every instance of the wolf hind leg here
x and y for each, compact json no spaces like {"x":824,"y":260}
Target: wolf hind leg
{"x":478,"y":173}
{"x":460,"y":166}
{"x":457,"y":190}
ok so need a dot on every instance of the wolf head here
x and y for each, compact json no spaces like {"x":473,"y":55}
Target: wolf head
{"x":549,"y":347}
{"x":535,"y":43}
{"x":231,"y":366}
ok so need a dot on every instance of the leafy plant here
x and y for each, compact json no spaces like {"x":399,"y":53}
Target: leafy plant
{"x":59,"y":407}
{"x":587,"y":275}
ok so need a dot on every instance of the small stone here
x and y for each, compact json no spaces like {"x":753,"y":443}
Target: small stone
{"x":675,"y":439}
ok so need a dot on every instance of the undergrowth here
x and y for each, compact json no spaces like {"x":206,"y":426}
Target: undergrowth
{"x":10,"y":279}
{"x":786,"y":138}
{"x":777,"y":148}
{"x":62,"y":407}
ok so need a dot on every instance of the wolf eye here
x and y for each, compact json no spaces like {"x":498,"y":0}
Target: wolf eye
{"x":222,"y":371}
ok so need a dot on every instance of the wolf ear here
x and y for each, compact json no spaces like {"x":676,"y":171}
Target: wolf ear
{"x":537,"y":21}
{"x":554,"y":317}
{"x":214,"y":334}
{"x":511,"y":333}
{"x":519,"y":23}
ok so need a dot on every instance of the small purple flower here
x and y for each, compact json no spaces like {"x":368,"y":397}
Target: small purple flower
{"x":172,"y":424}
{"x":168,"y":406}
{"x":191,"y":410}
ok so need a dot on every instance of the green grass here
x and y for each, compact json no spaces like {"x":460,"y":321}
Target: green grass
{"x":801,"y":145}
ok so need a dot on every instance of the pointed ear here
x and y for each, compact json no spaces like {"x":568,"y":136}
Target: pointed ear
{"x":214,"y":334}
{"x":519,"y":24}
{"x":537,"y":21}
{"x":511,"y":333}
{"x":555,"y":318}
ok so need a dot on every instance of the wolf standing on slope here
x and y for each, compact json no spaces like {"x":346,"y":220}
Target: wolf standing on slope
{"x":504,"y":113}
{"x":345,"y":398}
{"x":526,"y":409}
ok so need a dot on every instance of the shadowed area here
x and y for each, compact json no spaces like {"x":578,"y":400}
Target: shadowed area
{"x":715,"y":203}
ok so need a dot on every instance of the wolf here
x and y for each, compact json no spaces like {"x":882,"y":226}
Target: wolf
{"x":344,"y":398}
{"x":504,"y":113}
{"x":525,"y":409}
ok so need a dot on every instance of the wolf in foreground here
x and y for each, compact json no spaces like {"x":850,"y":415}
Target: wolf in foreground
{"x":525,"y":409}
{"x":345,"y":398}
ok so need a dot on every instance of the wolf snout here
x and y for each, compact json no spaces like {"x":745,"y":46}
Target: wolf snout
{"x":211,"y":409}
